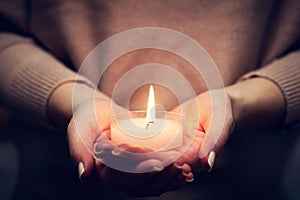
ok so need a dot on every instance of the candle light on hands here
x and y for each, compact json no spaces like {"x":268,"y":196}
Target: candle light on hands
{"x":157,"y":130}
{"x":136,"y":140}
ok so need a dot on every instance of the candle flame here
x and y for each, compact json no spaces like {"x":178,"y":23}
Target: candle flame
{"x":150,"y":117}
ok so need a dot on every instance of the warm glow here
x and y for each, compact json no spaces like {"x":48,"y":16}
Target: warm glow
{"x":150,"y":117}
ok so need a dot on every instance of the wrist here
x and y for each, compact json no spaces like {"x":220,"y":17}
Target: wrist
{"x":238,"y":104}
{"x":63,"y":99}
{"x":256,"y":103}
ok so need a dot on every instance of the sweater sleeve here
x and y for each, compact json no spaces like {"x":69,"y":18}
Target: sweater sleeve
{"x":29,"y":75}
{"x":285,"y":73}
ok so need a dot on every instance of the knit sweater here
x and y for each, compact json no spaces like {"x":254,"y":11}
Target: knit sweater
{"x":43,"y":43}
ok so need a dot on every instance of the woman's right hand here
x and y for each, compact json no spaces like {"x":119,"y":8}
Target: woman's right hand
{"x":71,"y":107}
{"x":85,"y":126}
{"x":88,"y":120}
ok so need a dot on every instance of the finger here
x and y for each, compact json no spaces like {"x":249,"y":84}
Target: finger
{"x":179,"y":181}
{"x":133,"y":155}
{"x":172,"y":177}
{"x":143,"y":153}
{"x":79,"y":154}
{"x":102,"y":135}
{"x":124,"y":162}
{"x":151,"y":165}
{"x":103,"y":146}
{"x":214,"y":140}
{"x":220,"y":127}
{"x":190,"y":153}
{"x":191,"y":120}
{"x":105,"y":152}
{"x":128,"y":158}
{"x":154,"y":165}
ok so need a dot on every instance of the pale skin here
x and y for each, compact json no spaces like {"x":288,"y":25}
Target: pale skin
{"x":252,"y":103}
{"x":60,"y":111}
{"x":262,"y":108}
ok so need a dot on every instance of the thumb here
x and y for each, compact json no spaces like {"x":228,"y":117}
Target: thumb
{"x":207,"y":153}
{"x":79,"y":154}
{"x":214,"y":140}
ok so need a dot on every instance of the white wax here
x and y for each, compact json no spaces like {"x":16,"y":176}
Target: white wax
{"x":161,"y":135}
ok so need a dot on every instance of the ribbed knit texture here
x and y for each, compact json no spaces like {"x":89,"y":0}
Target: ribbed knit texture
{"x":285,"y":72}
{"x":33,"y":75}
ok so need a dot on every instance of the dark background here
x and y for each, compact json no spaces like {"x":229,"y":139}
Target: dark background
{"x":261,"y":164}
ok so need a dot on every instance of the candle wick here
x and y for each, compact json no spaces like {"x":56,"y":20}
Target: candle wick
{"x":148,"y":124}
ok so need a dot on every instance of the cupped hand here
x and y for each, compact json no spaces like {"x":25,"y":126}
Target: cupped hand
{"x":150,"y":173}
{"x":208,"y":123}
{"x":139,"y":171}
{"x":82,"y":131}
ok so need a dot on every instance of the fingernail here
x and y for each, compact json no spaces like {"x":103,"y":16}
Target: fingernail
{"x":98,"y":151}
{"x":189,"y":180}
{"x":80,"y":170}
{"x":211,"y":160}
{"x":157,"y":168}
{"x":177,"y":166}
{"x":186,"y":174}
{"x":116,"y":152}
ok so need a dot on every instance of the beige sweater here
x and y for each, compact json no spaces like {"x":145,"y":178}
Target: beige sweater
{"x":41,"y":41}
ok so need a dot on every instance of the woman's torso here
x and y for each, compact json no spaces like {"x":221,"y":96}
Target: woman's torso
{"x":238,"y":35}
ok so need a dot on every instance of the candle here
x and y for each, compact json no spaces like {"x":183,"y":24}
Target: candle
{"x":158,"y":130}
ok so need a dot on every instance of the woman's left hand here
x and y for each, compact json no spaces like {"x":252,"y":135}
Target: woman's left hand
{"x":208,"y":123}
{"x":210,"y":119}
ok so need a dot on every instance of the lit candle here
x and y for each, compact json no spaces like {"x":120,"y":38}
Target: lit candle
{"x":158,"y":130}
{"x":150,"y":117}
